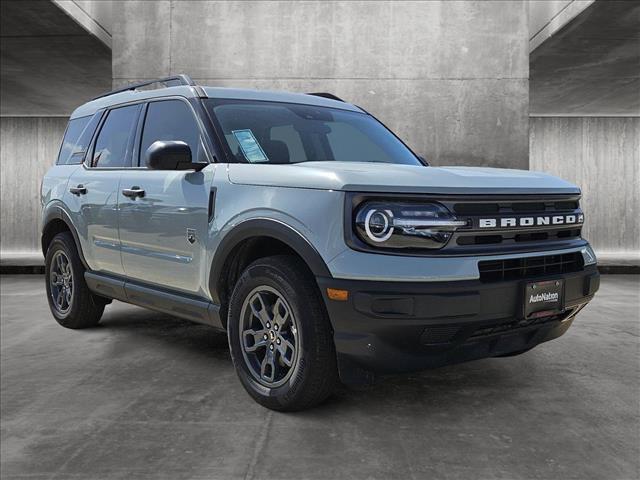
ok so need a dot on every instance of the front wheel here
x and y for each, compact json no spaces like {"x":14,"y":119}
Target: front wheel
{"x":280,"y":336}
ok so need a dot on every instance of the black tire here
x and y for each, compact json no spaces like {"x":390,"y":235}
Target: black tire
{"x":84,"y":309}
{"x":313,"y":374}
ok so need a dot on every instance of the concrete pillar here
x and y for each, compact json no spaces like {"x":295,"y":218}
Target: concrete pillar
{"x":50,"y":63}
{"x":451,"y":78}
{"x":28,"y":147}
{"x":601,"y":155}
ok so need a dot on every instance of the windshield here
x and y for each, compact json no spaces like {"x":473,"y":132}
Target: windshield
{"x":273,"y":132}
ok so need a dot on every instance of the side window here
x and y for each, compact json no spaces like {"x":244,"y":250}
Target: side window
{"x":170,"y":120}
{"x":76,"y":139}
{"x":113,"y":139}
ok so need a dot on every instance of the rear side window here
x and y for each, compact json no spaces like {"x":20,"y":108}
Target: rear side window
{"x":170,"y":120}
{"x":112,"y":148}
{"x":77,"y":138}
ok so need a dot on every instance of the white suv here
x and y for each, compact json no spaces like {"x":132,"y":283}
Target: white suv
{"x":309,"y":232}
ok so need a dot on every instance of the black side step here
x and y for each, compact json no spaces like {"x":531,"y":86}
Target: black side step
{"x":174,"y":303}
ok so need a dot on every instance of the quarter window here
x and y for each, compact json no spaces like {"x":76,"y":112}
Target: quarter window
{"x":76,"y":139}
{"x":112,"y":145}
{"x":170,"y":120}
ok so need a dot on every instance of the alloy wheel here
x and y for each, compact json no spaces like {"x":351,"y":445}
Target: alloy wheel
{"x":61,"y":282}
{"x":269,"y":336}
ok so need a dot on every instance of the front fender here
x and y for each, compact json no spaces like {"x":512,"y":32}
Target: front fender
{"x":264,"y":227}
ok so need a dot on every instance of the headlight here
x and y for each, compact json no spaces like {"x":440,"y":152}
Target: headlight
{"x":405,"y":225}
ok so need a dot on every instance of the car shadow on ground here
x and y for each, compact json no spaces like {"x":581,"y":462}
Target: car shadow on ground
{"x":445,"y":384}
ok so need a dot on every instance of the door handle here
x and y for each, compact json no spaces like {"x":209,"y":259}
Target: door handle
{"x":79,"y":190}
{"x":133,"y":192}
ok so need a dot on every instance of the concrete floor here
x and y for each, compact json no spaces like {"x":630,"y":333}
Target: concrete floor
{"x":149,"y":396}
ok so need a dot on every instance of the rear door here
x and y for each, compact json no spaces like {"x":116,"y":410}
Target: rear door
{"x":93,"y":189}
{"x":163,"y":229}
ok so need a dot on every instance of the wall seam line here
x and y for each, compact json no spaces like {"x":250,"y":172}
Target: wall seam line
{"x":170,"y":35}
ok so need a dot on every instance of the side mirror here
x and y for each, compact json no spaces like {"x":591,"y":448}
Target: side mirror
{"x":171,"y":155}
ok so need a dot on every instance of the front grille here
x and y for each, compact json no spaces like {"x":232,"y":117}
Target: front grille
{"x":479,"y":236}
{"x":520,"y":268}
{"x":514,"y":206}
{"x":476,"y":208}
{"x":509,"y":237}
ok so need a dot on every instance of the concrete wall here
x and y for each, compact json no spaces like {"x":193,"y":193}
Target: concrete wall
{"x":591,"y":66}
{"x":28,"y":147}
{"x":546,"y":17}
{"x":602,"y":155}
{"x":94,"y":16}
{"x":49,"y":64}
{"x":450,"y":77}
{"x":100,"y":11}
{"x":52,"y":59}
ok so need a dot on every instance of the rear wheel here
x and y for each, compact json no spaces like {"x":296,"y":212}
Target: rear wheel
{"x":280,"y":336}
{"x":70,"y":300}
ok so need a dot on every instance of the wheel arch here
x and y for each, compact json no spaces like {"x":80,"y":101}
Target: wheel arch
{"x":55,"y":220}
{"x":252,"y":239}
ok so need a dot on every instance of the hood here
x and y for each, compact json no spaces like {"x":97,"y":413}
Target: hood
{"x":390,"y":178}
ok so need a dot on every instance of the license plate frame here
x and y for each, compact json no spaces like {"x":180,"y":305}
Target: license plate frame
{"x":543,"y":298}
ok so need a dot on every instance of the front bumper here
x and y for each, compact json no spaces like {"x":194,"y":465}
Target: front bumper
{"x":387,"y":327}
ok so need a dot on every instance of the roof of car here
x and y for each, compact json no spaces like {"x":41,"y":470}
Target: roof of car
{"x":187,"y":91}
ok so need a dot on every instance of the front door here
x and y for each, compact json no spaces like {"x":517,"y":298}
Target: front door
{"x":164,"y":214}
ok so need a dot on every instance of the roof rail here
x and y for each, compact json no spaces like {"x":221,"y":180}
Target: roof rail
{"x":330,"y":96}
{"x":167,"y":82}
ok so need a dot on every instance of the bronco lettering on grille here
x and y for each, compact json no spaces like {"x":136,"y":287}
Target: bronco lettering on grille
{"x":511,"y":222}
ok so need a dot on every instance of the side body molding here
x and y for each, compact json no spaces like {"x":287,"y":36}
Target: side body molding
{"x":263,"y":227}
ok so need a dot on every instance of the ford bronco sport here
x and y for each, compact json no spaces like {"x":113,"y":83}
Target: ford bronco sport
{"x":315,"y":237}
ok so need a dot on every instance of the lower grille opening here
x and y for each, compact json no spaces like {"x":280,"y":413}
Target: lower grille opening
{"x":518,"y":268}
{"x":506,"y":327}
{"x":438,"y":334}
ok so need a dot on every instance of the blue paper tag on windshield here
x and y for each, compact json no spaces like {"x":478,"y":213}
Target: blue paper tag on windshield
{"x":250,"y":147}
